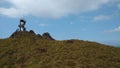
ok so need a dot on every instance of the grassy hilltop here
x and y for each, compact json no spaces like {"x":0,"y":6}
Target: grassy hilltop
{"x":27,"y":50}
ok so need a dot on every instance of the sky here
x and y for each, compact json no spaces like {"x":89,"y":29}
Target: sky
{"x":89,"y":20}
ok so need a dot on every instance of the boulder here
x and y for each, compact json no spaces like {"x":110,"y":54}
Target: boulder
{"x":47,"y":36}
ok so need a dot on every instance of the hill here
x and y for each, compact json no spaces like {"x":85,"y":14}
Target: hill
{"x":28,"y":50}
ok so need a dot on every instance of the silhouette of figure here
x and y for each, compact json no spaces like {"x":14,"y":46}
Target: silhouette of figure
{"x":22,"y":25}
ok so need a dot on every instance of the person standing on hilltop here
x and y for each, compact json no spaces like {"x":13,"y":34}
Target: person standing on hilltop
{"x":22,"y":25}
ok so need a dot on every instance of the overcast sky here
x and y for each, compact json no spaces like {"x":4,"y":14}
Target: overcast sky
{"x":93,"y":20}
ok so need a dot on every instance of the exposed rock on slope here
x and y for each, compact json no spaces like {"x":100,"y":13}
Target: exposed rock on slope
{"x":17,"y":34}
{"x":47,"y":36}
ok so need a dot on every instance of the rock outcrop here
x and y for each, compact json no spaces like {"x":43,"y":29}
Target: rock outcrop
{"x":22,"y":32}
{"x":18,"y":34}
{"x":47,"y":36}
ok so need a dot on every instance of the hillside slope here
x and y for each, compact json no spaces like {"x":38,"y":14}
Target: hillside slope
{"x":30,"y":51}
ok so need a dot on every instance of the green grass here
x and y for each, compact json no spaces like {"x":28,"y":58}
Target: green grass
{"x":29,"y":51}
